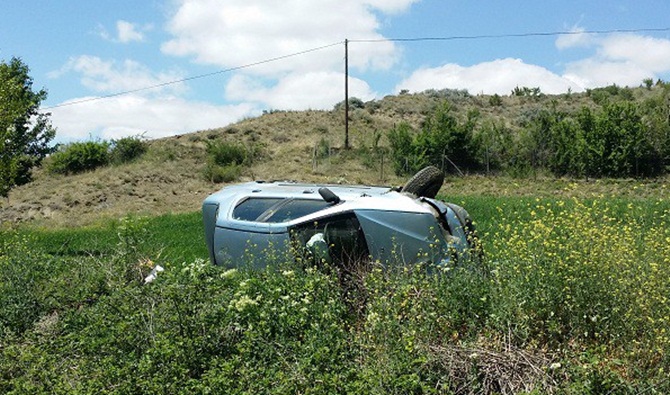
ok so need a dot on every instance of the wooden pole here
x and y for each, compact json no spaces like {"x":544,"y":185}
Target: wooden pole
{"x":346,"y":93}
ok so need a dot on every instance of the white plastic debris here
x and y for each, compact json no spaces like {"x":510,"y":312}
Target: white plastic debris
{"x":317,"y":238}
{"x":154,"y":273}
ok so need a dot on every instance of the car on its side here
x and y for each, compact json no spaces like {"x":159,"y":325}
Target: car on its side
{"x":255,"y":222}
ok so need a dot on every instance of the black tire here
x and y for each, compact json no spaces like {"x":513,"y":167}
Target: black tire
{"x":426,"y":182}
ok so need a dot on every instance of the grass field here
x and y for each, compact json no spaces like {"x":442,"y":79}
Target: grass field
{"x":571,"y":298}
{"x":172,"y":237}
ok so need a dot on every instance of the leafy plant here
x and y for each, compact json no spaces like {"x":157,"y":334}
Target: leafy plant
{"x":79,"y":157}
{"x":495,"y":100}
{"x":127,"y":149}
{"x":442,"y":142}
{"x":225,"y":161}
{"x":526,"y":92}
{"x":25,"y":133}
{"x":218,"y":174}
{"x":223,"y":153}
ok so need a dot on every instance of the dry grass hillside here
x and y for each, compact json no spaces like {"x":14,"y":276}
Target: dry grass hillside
{"x":305,"y":146}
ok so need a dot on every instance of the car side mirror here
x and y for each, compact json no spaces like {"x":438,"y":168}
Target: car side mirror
{"x":328,"y":195}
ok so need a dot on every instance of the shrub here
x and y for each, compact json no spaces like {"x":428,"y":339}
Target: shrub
{"x":322,"y":149}
{"x":405,"y":158}
{"x":648,"y":83}
{"x":218,"y":174}
{"x":448,"y":94}
{"x":495,"y":144}
{"x":442,"y":142}
{"x":495,"y":100}
{"x":354,"y":103}
{"x":127,"y":149}
{"x":223,"y":153}
{"x":79,"y":157}
{"x":225,"y":160}
{"x":526,"y":92}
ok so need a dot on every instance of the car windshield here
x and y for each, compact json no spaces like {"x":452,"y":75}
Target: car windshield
{"x":276,"y":210}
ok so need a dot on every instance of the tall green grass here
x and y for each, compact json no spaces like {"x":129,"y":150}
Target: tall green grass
{"x":571,"y":298}
{"x":172,"y":237}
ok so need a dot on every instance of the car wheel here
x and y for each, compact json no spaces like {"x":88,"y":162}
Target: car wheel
{"x":426,"y":182}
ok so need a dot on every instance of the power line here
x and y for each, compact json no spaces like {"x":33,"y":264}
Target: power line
{"x":514,"y":35}
{"x":411,"y":39}
{"x":195,"y":77}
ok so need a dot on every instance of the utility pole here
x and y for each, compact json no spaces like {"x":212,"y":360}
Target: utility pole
{"x":346,"y":93}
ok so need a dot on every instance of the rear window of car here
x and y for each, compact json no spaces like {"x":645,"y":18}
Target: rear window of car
{"x":275,"y":210}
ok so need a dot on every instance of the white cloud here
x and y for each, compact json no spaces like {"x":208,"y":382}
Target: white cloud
{"x":156,"y":112}
{"x":127,"y":32}
{"x":499,"y":76}
{"x":104,"y":76}
{"x":315,"y":90}
{"x":240,"y":32}
{"x":134,"y":114}
{"x":391,"y":6}
{"x":577,"y":38}
{"x":622,"y":59}
{"x":243,"y":32}
{"x":650,"y":53}
{"x":591,"y":73}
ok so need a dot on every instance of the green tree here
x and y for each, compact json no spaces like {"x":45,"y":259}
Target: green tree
{"x":448,"y":142}
{"x":617,"y":143}
{"x":407,"y":156}
{"x":538,"y":141}
{"x":442,"y":142}
{"x":568,"y":148}
{"x":25,"y":133}
{"x":656,"y":115}
{"x":494,"y":142}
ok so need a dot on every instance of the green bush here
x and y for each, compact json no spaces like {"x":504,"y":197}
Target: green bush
{"x":526,"y":92}
{"x":218,"y":174}
{"x":495,"y":100}
{"x":354,"y":103}
{"x":443,"y":142}
{"x":79,"y":157}
{"x":127,"y":149}
{"x":223,"y":153}
{"x":406,"y":159}
{"x":225,"y":160}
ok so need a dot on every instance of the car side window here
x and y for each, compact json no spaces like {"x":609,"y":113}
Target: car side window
{"x":250,"y":209}
{"x":292,"y":209}
{"x":276,"y":210}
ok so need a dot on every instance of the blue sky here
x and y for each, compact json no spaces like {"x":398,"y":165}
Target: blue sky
{"x":80,"y":49}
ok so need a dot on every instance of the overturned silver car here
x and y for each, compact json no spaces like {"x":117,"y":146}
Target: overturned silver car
{"x":257,"y":222}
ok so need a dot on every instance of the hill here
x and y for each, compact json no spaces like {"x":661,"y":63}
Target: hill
{"x":305,"y":146}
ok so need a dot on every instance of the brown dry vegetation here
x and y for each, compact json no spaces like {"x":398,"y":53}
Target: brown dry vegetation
{"x":169,"y":178}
